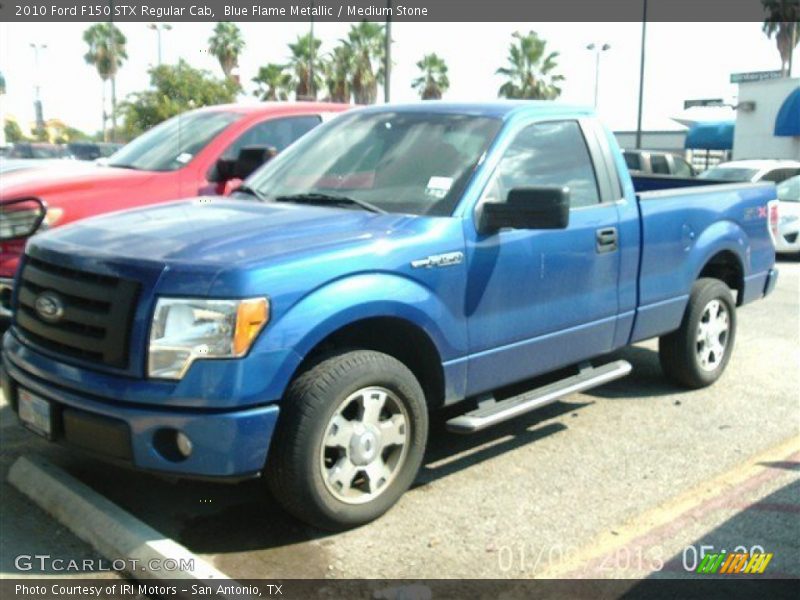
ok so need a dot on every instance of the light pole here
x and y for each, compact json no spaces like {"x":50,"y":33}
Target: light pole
{"x":641,"y":78}
{"x":387,"y":55}
{"x":158,"y":29}
{"x":37,"y":96}
{"x":597,"y":48}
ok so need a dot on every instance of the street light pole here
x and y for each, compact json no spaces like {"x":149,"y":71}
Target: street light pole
{"x":641,"y":78}
{"x":598,"y":49}
{"x":310,"y":71}
{"x":158,"y":29}
{"x":387,"y":55}
{"x":37,"y":97}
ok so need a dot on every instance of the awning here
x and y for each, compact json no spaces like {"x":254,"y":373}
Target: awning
{"x":788,"y":121}
{"x":710,"y":135}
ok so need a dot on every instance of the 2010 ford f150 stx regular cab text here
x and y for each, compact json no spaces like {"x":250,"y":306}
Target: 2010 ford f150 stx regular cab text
{"x":394,"y":260}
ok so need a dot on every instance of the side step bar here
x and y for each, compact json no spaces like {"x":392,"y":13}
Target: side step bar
{"x":491,"y":412}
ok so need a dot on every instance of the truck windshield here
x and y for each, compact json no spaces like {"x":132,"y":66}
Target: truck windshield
{"x":400,"y":162}
{"x":173,"y":143}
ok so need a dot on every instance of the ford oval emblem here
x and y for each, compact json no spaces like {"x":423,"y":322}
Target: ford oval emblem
{"x":49,"y":306}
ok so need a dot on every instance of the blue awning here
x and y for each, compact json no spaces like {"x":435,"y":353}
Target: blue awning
{"x":788,"y":121}
{"x":710,"y":135}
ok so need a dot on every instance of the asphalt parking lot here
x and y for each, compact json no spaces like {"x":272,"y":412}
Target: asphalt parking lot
{"x":540,"y":496}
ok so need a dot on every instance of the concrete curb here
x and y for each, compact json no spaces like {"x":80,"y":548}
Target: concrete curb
{"x":112,"y":531}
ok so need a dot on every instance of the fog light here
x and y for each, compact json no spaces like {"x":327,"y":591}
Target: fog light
{"x":173,"y":445}
{"x":184,"y":444}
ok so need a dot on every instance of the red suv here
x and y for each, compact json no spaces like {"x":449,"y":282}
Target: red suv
{"x":205,"y":151}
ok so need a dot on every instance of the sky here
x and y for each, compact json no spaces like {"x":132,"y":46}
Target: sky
{"x":684,"y":61}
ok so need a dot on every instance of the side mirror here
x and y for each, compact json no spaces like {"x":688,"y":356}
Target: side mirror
{"x":20,"y":219}
{"x":540,"y":207}
{"x":250,"y":158}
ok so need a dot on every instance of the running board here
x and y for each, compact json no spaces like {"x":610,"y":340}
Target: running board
{"x":491,"y":412}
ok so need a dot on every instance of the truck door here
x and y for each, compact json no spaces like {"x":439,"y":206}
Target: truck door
{"x":539,"y":300}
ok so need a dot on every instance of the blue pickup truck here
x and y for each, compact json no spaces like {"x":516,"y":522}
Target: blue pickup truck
{"x":396,"y":260}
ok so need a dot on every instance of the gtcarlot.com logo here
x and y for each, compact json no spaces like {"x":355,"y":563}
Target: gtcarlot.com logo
{"x":45,"y":562}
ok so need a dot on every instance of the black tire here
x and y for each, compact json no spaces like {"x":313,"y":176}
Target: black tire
{"x":678,"y":351}
{"x":293,"y":469}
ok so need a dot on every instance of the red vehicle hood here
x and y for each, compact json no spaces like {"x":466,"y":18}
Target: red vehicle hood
{"x":60,"y":180}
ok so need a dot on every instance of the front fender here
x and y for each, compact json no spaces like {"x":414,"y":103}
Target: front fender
{"x":345,"y":301}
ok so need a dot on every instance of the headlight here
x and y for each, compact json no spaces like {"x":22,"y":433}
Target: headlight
{"x":186,"y":329}
{"x":786,"y":219}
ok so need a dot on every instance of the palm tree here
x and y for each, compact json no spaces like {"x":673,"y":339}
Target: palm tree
{"x":783,"y":20}
{"x":226,"y":44}
{"x":273,"y":83}
{"x":303,"y":52}
{"x":106,"y":53}
{"x":434,"y":81}
{"x":530,"y":70}
{"x":366,"y":42}
{"x":337,"y":69}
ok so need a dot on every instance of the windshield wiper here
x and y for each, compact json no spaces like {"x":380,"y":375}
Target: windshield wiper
{"x":318,"y":198}
{"x":250,"y":191}
{"x":124,"y":166}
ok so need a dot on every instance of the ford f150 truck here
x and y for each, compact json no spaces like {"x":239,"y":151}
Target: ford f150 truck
{"x":395,"y":260}
{"x":197,"y":152}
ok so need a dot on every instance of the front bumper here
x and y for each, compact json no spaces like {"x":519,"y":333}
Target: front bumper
{"x":225,"y":444}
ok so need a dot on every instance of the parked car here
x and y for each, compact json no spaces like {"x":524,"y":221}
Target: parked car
{"x":205,"y":151}
{"x":91,"y":150}
{"x":37,"y":150}
{"x":753,"y":170}
{"x":395,"y":260}
{"x":649,"y":162}
{"x":786,"y":238}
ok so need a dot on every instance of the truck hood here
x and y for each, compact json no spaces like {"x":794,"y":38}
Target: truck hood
{"x":67,"y":177}
{"x":221,"y":232}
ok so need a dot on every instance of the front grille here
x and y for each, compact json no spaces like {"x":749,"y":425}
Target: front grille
{"x":97,"y":312}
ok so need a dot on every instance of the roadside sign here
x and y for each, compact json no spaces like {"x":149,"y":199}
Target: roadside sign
{"x":703,"y":102}
{"x":755,"y":76}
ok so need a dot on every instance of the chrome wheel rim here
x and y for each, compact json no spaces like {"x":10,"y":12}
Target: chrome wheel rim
{"x":364,"y":445}
{"x":712,"y":335}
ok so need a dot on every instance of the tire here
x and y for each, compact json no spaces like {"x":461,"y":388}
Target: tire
{"x":696,"y":354}
{"x":314,"y":450}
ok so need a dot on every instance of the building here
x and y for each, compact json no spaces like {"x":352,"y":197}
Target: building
{"x":768,"y":119}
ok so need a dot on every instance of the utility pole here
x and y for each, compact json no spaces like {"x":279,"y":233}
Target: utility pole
{"x":158,"y":29}
{"x":37,"y":88}
{"x":310,"y":72}
{"x":641,"y":78}
{"x":387,"y":55}
{"x":598,"y":49}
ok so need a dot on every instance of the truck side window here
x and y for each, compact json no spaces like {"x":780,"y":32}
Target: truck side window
{"x":275,"y":132}
{"x":659,"y":164}
{"x":682,"y":168}
{"x":552,"y":153}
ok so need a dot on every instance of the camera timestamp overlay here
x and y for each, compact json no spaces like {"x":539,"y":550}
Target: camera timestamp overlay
{"x":379,"y":10}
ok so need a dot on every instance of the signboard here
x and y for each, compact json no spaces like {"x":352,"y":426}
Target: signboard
{"x":703,"y":102}
{"x":755,"y":76}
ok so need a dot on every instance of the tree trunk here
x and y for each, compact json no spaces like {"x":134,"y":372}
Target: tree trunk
{"x":113,"y":108}
{"x":103,"y":109}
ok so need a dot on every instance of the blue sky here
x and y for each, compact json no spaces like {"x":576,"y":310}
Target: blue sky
{"x":685,"y":60}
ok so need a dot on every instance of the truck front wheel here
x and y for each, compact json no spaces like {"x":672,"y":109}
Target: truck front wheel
{"x":349,"y":441}
{"x":696,"y":354}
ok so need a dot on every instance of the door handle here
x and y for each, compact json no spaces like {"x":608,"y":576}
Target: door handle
{"x":606,"y":239}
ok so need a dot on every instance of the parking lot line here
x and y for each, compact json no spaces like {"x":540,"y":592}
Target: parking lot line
{"x":112,"y":531}
{"x":669,"y":521}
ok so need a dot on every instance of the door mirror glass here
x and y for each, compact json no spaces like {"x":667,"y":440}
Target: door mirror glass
{"x":539,"y":207}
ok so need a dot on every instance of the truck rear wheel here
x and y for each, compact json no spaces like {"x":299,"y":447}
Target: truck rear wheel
{"x":349,"y":441}
{"x":696,"y":354}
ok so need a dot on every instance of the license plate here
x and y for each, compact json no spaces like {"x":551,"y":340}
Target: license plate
{"x":35,"y":413}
